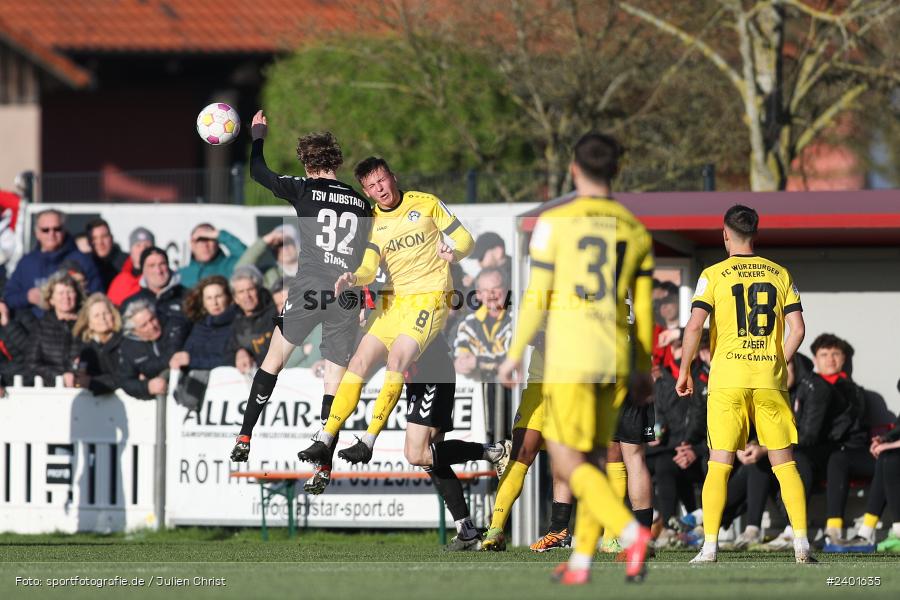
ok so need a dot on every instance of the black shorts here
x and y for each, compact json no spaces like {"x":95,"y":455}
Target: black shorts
{"x":635,"y":423}
{"x":308,"y":305}
{"x":431,"y":404}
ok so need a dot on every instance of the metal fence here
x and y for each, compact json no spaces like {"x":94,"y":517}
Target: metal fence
{"x":233,"y":186}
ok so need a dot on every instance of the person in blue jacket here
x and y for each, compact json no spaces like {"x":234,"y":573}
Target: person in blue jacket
{"x":207,"y":257}
{"x":55,"y":246}
{"x":210,"y":307}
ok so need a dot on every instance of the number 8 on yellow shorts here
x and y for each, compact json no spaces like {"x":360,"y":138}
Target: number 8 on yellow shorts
{"x":582,"y":416}
{"x":419,"y":316}
{"x":730,"y":410}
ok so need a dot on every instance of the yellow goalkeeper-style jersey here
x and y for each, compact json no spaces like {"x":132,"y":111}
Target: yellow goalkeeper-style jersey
{"x":587,"y":254}
{"x":404,"y":238}
{"x":747,"y":297}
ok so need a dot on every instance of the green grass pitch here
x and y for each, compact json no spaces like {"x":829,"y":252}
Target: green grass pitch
{"x":366,"y":566}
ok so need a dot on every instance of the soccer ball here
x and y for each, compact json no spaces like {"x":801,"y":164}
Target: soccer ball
{"x":218,"y":124}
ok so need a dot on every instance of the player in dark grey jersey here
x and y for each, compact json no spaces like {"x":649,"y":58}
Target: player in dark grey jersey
{"x":334,"y":223}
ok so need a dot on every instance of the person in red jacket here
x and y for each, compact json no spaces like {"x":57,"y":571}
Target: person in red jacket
{"x":128,"y":281}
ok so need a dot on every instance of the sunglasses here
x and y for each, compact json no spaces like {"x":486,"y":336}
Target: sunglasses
{"x":49,"y":229}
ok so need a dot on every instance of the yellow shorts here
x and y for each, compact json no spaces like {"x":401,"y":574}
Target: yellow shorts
{"x":730,"y":410}
{"x":531,"y":410}
{"x":419,"y":316}
{"x":583,"y":416}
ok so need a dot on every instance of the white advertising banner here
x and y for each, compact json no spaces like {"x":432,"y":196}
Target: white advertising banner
{"x":200,"y":490}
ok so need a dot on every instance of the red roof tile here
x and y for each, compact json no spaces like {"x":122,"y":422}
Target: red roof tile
{"x":166,"y":26}
{"x":48,"y":59}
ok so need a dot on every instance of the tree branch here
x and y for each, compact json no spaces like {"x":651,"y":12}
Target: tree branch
{"x":827,"y":118}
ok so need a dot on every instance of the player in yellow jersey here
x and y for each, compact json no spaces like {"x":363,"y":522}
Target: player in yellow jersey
{"x":585,"y":257}
{"x":408,"y":238}
{"x":748,"y":299}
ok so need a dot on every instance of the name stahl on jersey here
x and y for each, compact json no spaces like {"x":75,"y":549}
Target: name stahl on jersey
{"x":334,"y":220}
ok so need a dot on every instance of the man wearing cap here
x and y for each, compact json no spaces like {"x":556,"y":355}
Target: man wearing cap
{"x":127,"y":282}
{"x":490,"y":252}
{"x":105,"y":252}
{"x":276,"y":254}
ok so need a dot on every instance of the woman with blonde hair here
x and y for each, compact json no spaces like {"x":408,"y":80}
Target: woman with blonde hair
{"x":98,"y":327}
{"x":55,"y":350}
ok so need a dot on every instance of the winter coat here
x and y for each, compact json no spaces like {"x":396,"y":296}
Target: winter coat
{"x":108,"y":268}
{"x":253,"y":332}
{"x":208,"y":342}
{"x":125,"y":284}
{"x":149,"y":359}
{"x":53,"y":349}
{"x":817,"y":410}
{"x":854,"y":413}
{"x":36,"y":267}
{"x":169,"y":307}
{"x":15,"y":339}
{"x":683,"y":419}
{"x":221,"y":264}
{"x":100,"y":361}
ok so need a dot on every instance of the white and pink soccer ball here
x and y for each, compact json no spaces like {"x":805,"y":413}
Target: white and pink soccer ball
{"x":218,"y":124}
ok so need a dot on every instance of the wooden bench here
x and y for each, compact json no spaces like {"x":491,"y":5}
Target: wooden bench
{"x":284,"y":483}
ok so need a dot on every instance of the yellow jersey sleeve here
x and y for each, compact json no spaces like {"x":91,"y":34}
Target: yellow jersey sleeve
{"x":704,"y":293}
{"x":447,"y":223}
{"x":791,"y":296}
{"x":542,"y":248}
{"x":535,"y":303}
{"x":368,"y":268}
{"x":642,"y":304}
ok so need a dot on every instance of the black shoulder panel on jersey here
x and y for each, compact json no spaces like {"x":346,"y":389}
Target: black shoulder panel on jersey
{"x":792,"y":308}
{"x":452,"y":226}
{"x":374,"y":246}
{"x":644,"y":273}
{"x":543,"y":265}
{"x":701,"y":304}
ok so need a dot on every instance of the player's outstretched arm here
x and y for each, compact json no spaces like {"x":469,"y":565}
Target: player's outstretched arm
{"x":532,"y":311}
{"x":284,"y":187}
{"x":796,"y":333}
{"x":689,"y":344}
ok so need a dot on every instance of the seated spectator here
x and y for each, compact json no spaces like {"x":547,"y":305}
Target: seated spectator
{"x":54,"y":247}
{"x":207,"y":257}
{"x":252,"y":329}
{"x":161,"y":288}
{"x":483,"y":337}
{"x":209,"y":306}
{"x":105,"y":252}
{"x":16,"y":330}
{"x":276,"y":254}
{"x":145,"y":352}
{"x":126,"y":283}
{"x":99,"y":327}
{"x":54,"y":350}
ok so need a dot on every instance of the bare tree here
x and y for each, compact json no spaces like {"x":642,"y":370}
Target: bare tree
{"x":797,"y":66}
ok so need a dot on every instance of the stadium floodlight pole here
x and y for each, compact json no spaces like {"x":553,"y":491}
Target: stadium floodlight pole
{"x":525,"y":515}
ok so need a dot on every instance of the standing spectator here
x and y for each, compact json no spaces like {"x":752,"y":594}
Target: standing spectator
{"x":490,"y":252}
{"x":207,"y":257}
{"x":144,"y":353}
{"x":252,"y":329}
{"x":54,"y":247}
{"x":127,"y":282}
{"x":483,"y":337}
{"x":209,"y":306}
{"x":98,"y":327}
{"x":107,"y":256}
{"x":54,"y":350}
{"x":276,"y":254}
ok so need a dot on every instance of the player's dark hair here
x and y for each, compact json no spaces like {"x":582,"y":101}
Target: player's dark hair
{"x":829,"y":340}
{"x":597,"y":155}
{"x":319,"y":151}
{"x":94,"y":224}
{"x":743,"y":220}
{"x":370,"y":165}
{"x":193,"y":304}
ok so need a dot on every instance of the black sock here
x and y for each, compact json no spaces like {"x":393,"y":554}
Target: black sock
{"x":644,"y":516}
{"x":327,"y":399}
{"x":559,"y":516}
{"x":450,"y":489}
{"x":260,"y":392}
{"x":454,"y":452}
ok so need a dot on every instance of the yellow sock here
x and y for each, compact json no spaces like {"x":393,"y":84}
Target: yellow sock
{"x":618,"y":481}
{"x":587,"y":531}
{"x":793,"y":495}
{"x":715,"y":493}
{"x":386,"y":401}
{"x":508,"y":492}
{"x":345,"y":401}
{"x":590,"y":486}
{"x":870,"y":520}
{"x":832,"y":522}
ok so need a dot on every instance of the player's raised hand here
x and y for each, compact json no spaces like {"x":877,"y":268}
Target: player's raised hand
{"x":509,"y":372}
{"x":259,"y":127}
{"x":685,"y":384}
{"x":344,"y":282}
{"x":444,"y":251}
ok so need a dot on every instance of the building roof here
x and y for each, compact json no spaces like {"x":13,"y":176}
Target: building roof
{"x":852,"y":218}
{"x":46,"y":58}
{"x":168,"y":26}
